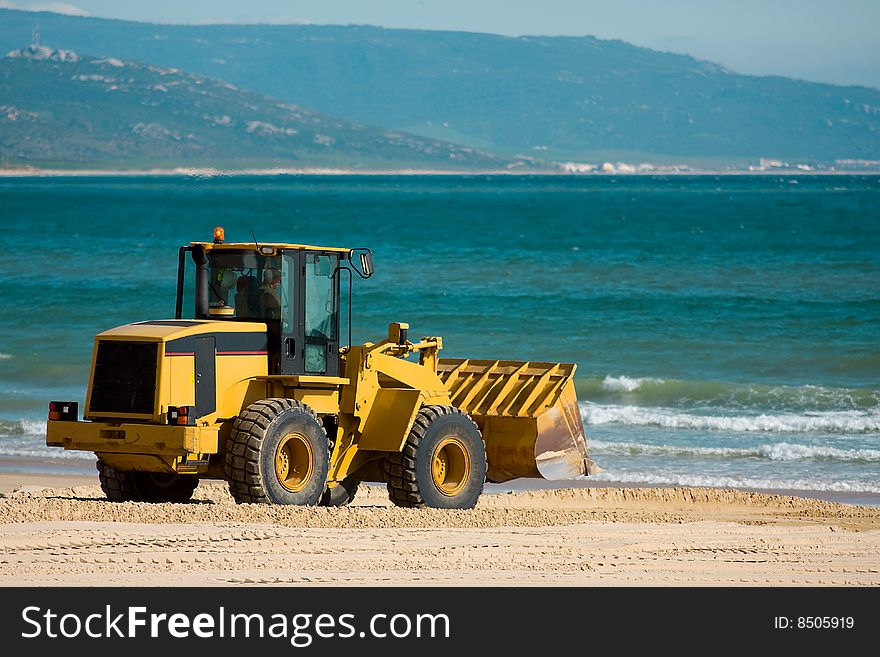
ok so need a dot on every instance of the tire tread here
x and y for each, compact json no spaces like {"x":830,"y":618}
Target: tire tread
{"x":241,"y":464}
{"x":399,"y":469}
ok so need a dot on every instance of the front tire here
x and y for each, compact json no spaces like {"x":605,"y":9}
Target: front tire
{"x":443,"y":463}
{"x":277,"y":453}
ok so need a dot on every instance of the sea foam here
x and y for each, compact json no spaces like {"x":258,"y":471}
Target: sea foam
{"x":25,"y":448}
{"x":825,"y":422}
{"x":25,"y":427}
{"x":842,"y":486}
{"x":755,"y":397}
{"x":773,"y":452}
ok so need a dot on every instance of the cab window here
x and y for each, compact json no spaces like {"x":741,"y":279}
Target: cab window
{"x":241,"y":285}
{"x":321,"y":310}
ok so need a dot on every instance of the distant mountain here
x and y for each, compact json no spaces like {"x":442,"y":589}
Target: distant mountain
{"x":58,"y":108}
{"x":558,"y":97}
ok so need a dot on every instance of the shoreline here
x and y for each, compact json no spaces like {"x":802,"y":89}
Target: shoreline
{"x":208,"y":172}
{"x":48,"y":467}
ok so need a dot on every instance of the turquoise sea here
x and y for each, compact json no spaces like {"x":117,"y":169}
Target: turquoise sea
{"x":726,"y":329}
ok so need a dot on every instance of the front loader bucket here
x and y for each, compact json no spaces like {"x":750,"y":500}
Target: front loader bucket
{"x":528,"y":415}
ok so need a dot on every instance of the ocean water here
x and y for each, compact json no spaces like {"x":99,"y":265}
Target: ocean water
{"x":726,"y":329}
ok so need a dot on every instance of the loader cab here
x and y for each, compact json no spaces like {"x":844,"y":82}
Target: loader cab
{"x":293,"y":290}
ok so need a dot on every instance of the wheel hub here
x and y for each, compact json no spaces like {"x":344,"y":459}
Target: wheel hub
{"x":294,"y":462}
{"x":450,"y":466}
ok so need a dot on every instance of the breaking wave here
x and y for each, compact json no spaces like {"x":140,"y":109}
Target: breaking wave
{"x":650,"y":391}
{"x":774,"y":452}
{"x":826,"y":421}
{"x":27,"y":439}
{"x":23,"y":428}
{"x":710,"y":481}
{"x":626,"y":383}
{"x":40,"y":452}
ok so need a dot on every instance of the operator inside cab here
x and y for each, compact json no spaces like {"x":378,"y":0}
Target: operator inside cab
{"x":270,"y":300}
{"x":244,"y":285}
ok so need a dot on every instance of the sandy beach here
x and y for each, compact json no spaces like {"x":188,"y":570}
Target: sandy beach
{"x":57,"y":530}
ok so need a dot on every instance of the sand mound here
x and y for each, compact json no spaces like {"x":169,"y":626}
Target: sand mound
{"x":212,"y":504}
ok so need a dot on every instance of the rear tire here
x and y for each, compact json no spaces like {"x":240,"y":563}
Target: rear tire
{"x":162,"y":487}
{"x":152,"y":487}
{"x":117,"y":485}
{"x":443,"y":463}
{"x":277,"y":453}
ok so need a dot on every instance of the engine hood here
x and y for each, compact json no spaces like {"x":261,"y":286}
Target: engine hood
{"x":166,"y":330}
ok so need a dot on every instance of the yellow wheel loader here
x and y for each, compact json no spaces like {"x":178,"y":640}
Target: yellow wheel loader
{"x":249,"y":384}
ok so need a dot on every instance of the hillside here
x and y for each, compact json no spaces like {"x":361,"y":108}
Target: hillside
{"x":58,"y":108}
{"x":557,"y":97}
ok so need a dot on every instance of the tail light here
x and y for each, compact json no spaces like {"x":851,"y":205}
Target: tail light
{"x":68,"y":411}
{"x":182,"y":415}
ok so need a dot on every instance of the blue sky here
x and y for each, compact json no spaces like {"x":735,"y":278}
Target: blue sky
{"x":821,"y":40}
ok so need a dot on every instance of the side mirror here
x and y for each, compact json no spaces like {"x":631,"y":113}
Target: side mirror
{"x":367,"y":263}
{"x":365,"y":257}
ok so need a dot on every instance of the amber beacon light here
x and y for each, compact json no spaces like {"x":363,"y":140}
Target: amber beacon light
{"x":219,"y":235}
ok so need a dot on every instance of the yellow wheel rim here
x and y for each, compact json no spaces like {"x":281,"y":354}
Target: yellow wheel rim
{"x":294,"y":462}
{"x":450,"y":466}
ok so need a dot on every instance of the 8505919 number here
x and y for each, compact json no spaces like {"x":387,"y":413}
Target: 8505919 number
{"x":825,"y":622}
